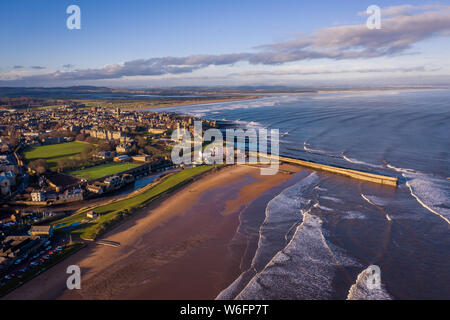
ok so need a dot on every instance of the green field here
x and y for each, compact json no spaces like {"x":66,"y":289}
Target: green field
{"x":114,"y":212}
{"x":103,"y":170}
{"x":54,"y":152}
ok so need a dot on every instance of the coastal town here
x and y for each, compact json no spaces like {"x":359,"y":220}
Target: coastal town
{"x":53,"y":161}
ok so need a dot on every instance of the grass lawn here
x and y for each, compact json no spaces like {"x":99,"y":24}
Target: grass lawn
{"x":114,"y":212}
{"x":103,"y":170}
{"x":52,"y":153}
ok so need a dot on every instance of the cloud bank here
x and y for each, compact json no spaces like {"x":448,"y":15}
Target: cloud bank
{"x":402,"y":27}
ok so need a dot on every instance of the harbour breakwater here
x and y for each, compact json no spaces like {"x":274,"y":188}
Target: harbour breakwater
{"x":351,"y":173}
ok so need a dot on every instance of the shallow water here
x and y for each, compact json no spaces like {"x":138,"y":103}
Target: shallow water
{"x":321,"y":233}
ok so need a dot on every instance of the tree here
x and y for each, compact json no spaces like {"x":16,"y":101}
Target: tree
{"x":80,"y":137}
{"x":39,"y":165}
{"x":105,"y":146}
{"x":141,"y":141}
{"x":86,"y":153}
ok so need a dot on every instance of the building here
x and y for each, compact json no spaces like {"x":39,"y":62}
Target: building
{"x":122,"y":158}
{"x":105,"y":155}
{"x":16,"y":247}
{"x":38,"y":196}
{"x":70,"y":196}
{"x":95,"y":188}
{"x":122,"y":148}
{"x":46,"y":231}
{"x":91,"y":215}
{"x":156,"y":131}
{"x":113,"y":181}
{"x":141,"y":158}
{"x":10,"y":175}
{"x":5,"y":186}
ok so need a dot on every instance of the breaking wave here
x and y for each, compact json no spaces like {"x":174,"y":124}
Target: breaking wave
{"x":429,"y":191}
{"x":361,"y":291}
{"x":304,"y":269}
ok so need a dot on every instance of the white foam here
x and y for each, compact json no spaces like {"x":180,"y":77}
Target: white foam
{"x":429,"y":191}
{"x":355,"y":161}
{"x":361,"y":291}
{"x":307,"y":148}
{"x":375,"y":205}
{"x":304,"y":269}
{"x":325,"y":208}
{"x":354,"y":215}
{"x":337,"y":200}
{"x":283,"y":213}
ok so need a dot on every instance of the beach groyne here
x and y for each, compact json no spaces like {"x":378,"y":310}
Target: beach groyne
{"x":351,"y":173}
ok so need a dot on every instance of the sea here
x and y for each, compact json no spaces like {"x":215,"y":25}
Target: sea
{"x":322,"y":235}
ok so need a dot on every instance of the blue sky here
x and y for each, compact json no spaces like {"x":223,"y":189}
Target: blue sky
{"x":36,"y":43}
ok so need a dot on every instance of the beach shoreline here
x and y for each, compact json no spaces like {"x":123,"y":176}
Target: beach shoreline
{"x":170,"y":246}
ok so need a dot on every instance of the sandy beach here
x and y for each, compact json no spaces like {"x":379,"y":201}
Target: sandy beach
{"x":176,"y":248}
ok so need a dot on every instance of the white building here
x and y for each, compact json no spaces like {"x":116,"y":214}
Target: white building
{"x":38,"y":196}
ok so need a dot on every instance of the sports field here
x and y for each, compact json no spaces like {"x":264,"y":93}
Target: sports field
{"x":54,"y":152}
{"x":103,"y":170}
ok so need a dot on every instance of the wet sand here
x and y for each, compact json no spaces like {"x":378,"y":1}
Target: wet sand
{"x":177,"y":248}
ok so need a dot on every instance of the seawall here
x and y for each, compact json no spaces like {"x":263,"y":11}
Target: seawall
{"x":351,"y":173}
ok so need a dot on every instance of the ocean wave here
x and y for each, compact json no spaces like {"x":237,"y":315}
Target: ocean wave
{"x":283,"y":213}
{"x":354,"y":215}
{"x":361,"y":291}
{"x":377,"y":206}
{"x":249,"y":124}
{"x":304,"y":269}
{"x":355,"y":161}
{"x":333,"y":199}
{"x":430,"y":192}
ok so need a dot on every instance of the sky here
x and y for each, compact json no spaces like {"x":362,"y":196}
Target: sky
{"x":145,"y":43}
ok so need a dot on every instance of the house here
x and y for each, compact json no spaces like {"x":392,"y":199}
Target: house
{"x":38,"y":196}
{"x":70,"y":196}
{"x":10,"y":175}
{"x":91,"y":215}
{"x":95,"y":188}
{"x":113,"y":181}
{"x":41,"y":231}
{"x":127,"y":178}
{"x":5,"y":186}
{"x":122,"y":148}
{"x":105,"y":155}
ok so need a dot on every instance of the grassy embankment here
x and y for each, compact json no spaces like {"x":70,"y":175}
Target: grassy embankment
{"x":30,"y":274}
{"x":54,"y":152}
{"x":103,"y":170}
{"x":113,"y":212}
